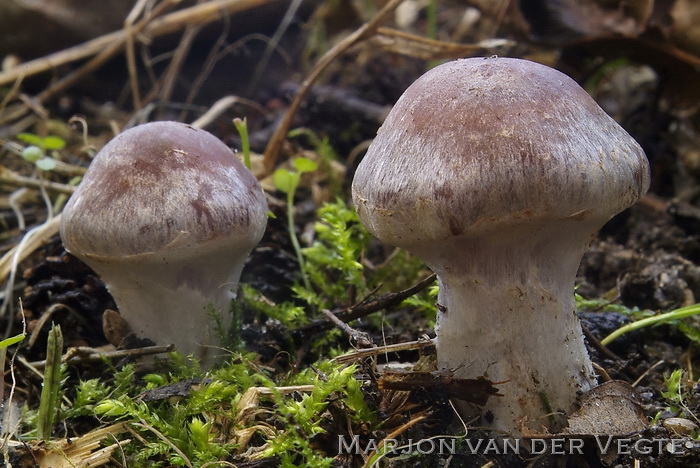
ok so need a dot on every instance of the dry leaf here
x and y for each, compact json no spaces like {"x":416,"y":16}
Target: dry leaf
{"x":609,"y":409}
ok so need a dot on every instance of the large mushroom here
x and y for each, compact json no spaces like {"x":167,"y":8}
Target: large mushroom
{"x":167,"y":215}
{"x":498,"y":172}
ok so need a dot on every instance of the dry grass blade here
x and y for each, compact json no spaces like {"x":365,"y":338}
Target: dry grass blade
{"x":249,"y":402}
{"x":175,"y":65}
{"x":81,"y":451}
{"x":221,"y":106}
{"x":130,"y":52}
{"x":93,"y":64}
{"x":9,"y":177}
{"x":393,"y":436}
{"x":35,"y":239}
{"x":248,"y":408}
{"x":273,"y":44}
{"x":170,"y":443}
{"x":399,"y":42}
{"x":31,"y":241}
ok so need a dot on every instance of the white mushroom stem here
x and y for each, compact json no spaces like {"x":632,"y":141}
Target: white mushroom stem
{"x":507,"y":313}
{"x":165,"y":296}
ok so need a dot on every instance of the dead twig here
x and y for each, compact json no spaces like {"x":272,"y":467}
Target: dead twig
{"x":392,"y":348}
{"x":400,"y":42}
{"x":109,"y":50}
{"x":209,"y":64}
{"x":221,"y":106}
{"x":647,"y":372}
{"x":365,"y":31}
{"x":595,"y":343}
{"x":393,"y":436}
{"x":272,"y":45}
{"x":175,"y":65}
{"x":357,"y":337}
{"x":86,"y":355}
{"x":129,"y":45}
{"x":9,"y":177}
{"x":362,"y":309}
{"x":341,"y":101}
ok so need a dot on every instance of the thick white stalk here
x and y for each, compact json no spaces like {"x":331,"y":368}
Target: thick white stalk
{"x":507,"y":313}
{"x":165,"y":298}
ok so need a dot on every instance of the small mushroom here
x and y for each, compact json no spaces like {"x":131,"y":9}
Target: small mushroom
{"x":167,"y":215}
{"x":497,"y":173}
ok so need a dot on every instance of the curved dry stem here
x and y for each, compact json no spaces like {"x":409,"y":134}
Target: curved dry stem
{"x":365,"y":31}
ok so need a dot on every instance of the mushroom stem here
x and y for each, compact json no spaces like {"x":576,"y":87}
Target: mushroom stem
{"x":507,"y":313}
{"x":187,"y":286}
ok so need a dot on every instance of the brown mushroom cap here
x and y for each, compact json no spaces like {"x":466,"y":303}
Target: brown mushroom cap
{"x":163,"y":185}
{"x":476,"y":143}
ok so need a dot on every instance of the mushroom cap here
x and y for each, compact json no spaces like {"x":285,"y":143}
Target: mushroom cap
{"x":479,"y":143}
{"x":163,"y":187}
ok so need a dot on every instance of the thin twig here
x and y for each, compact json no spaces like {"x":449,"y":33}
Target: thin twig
{"x":392,"y":348}
{"x":221,"y":106}
{"x":361,"y":338}
{"x":11,"y":93}
{"x":392,"y":436}
{"x":596,"y":344}
{"x":12,"y":178}
{"x":208,"y":67}
{"x":272,"y":45}
{"x":175,"y":65}
{"x":91,"y":355}
{"x":367,"y":30}
{"x":71,"y":79}
{"x":105,"y":47}
{"x":129,"y":46}
{"x":646,"y":372}
{"x":364,"y":308}
{"x":401,"y":42}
